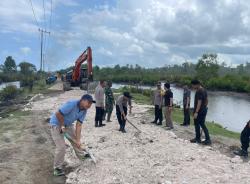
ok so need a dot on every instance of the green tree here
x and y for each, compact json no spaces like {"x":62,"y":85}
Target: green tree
{"x":27,"y":71}
{"x":9,"y":65}
{"x":27,"y":68}
{"x":207,"y":67}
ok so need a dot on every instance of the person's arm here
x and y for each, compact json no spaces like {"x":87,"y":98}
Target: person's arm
{"x":161,"y":102}
{"x":197,"y":109}
{"x":60,"y":118}
{"x":171,"y":102}
{"x":130,"y":106}
{"x":188,"y":102}
{"x":101,"y":95}
{"x":78,"y":133}
{"x":153,"y":98}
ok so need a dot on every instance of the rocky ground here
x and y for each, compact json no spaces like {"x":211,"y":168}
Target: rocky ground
{"x":152,"y":156}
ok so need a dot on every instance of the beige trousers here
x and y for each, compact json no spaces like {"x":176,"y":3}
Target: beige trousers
{"x":61,"y":147}
{"x":168,"y":117}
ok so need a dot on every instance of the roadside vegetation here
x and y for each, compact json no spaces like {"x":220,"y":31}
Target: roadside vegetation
{"x":31,"y":80}
{"x":142,"y":96}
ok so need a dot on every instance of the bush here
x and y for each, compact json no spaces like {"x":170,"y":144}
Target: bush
{"x":27,"y":81}
{"x":8,"y":93}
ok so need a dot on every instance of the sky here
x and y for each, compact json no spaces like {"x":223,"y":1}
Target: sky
{"x":151,"y":33}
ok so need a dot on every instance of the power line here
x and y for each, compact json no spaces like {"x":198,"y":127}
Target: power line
{"x":50,"y":14}
{"x":34,"y":12}
{"x":44,"y":15}
{"x":48,"y":38}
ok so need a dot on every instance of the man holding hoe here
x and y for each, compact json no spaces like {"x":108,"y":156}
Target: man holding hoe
{"x":62,"y":124}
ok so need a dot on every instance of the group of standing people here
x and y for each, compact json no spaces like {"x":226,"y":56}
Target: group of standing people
{"x":163,"y":99}
{"x":105,"y":103}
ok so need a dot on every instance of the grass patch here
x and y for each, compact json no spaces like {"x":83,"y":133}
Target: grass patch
{"x":214,"y":128}
{"x":139,"y":98}
{"x":40,"y":86}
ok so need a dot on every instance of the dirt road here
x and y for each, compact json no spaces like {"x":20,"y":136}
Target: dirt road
{"x":154,"y":156}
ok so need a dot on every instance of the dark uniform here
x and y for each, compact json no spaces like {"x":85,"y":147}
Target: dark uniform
{"x":121,"y":106}
{"x":186,"y":111}
{"x":201,"y":94}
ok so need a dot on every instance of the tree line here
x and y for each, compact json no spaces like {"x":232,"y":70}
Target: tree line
{"x":25,"y":72}
{"x":213,"y":75}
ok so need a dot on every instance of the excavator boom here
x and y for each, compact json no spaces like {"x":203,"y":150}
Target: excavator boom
{"x":86,"y":55}
{"x":80,"y":76}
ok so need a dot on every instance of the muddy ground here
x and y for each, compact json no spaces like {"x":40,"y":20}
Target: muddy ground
{"x":153,"y":156}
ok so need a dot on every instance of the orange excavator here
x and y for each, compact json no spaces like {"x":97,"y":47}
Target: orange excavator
{"x":80,"y":76}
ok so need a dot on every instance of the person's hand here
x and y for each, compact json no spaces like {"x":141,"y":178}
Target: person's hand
{"x":195,"y":115}
{"x":187,"y":107}
{"x":78,"y":144}
{"x":124,"y":116}
{"x":170,"y":108}
{"x":62,"y":129}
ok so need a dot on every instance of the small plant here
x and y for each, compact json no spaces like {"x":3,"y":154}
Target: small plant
{"x":8,"y":93}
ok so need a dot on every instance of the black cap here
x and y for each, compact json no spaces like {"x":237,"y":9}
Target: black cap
{"x":127,"y":94}
{"x":195,"y":82}
{"x":88,"y":97}
{"x":167,"y":85}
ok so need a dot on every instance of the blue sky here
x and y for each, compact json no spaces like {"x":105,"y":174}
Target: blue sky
{"x":150,"y":33}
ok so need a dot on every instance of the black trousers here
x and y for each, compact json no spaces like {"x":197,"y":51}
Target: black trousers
{"x":186,"y":113}
{"x":99,"y":115}
{"x":199,"y":122}
{"x":244,"y":137}
{"x":158,"y":114}
{"x":120,"y":119}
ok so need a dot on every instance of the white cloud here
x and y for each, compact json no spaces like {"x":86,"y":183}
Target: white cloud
{"x":165,"y":31}
{"x":25,"y":50}
{"x":105,"y":52}
{"x":147,"y":32}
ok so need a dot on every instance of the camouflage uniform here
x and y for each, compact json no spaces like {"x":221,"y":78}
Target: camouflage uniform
{"x":109,"y":100}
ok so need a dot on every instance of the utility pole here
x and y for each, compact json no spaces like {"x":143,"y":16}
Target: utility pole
{"x":42,"y":32}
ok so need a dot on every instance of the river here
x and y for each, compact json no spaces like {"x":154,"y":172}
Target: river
{"x":231,"y":110}
{"x":4,"y":85}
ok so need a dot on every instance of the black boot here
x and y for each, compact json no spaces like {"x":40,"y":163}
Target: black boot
{"x":160,"y":123}
{"x":101,"y":124}
{"x":96,"y":123}
{"x":241,"y":153}
{"x":195,"y":140}
{"x":206,"y":142}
